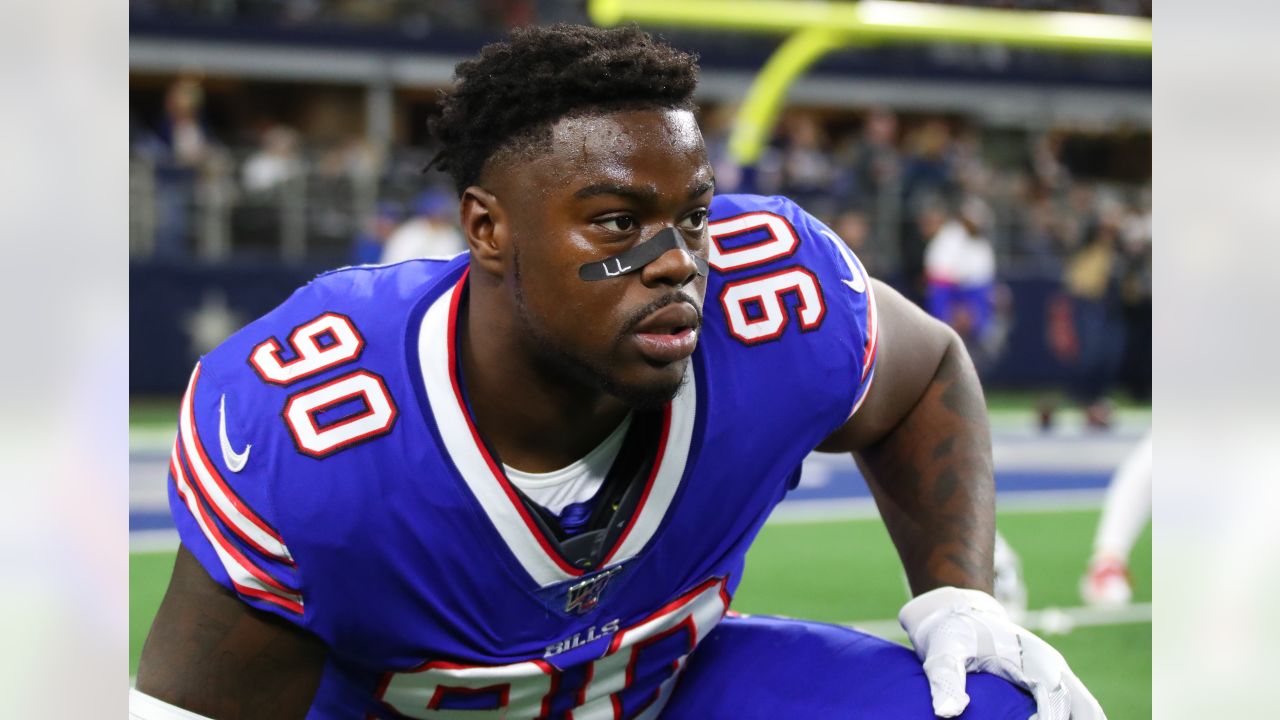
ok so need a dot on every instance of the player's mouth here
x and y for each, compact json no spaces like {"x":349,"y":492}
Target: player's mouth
{"x":668,"y":334}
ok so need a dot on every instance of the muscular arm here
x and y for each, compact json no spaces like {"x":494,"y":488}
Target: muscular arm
{"x":210,"y":653}
{"x":923,"y":442}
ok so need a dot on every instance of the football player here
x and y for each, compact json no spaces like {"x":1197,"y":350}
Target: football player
{"x":521,"y":483}
{"x":1106,"y":581}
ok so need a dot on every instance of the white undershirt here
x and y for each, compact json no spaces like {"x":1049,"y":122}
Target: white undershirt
{"x":145,"y":707}
{"x":576,"y":482}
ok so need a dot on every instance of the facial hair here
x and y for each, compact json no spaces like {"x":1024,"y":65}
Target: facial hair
{"x":557,"y":361}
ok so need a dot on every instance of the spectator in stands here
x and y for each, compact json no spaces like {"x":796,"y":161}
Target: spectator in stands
{"x":275,"y":162}
{"x":851,"y":225}
{"x":183,"y":148}
{"x":968,"y":168}
{"x":1135,"y":294}
{"x":355,"y":159}
{"x":267,"y":214}
{"x":926,"y":176}
{"x":431,"y":232}
{"x":1045,"y":163}
{"x":342,"y":190}
{"x":960,"y":272}
{"x":807,"y":170}
{"x":876,"y":168}
{"x":1092,"y":283}
{"x":1035,"y":229}
{"x":879,"y":162}
{"x":371,"y":243}
{"x":717,"y":124}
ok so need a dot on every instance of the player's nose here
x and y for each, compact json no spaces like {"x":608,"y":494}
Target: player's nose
{"x":674,"y":267}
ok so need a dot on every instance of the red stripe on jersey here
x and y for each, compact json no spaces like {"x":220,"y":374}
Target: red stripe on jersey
{"x":675,"y":604}
{"x":684,"y":599}
{"x":383,"y":684}
{"x":188,"y":412}
{"x":195,"y":504}
{"x":873,"y":330}
{"x":500,"y":476}
{"x":475,"y":435}
{"x":287,"y":604}
{"x":724,"y":596}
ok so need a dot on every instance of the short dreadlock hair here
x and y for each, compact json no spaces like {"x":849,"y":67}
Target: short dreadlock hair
{"x":510,"y":95}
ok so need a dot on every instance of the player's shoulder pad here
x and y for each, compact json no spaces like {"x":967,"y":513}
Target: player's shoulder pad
{"x":252,"y":413}
{"x":783,"y":278}
{"x":348,"y":319}
{"x":755,"y":231}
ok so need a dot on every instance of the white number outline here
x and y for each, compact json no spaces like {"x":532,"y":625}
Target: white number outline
{"x":782,"y":241}
{"x":768,"y":290}
{"x":301,"y":408}
{"x":318,"y":442}
{"x":311,"y":358}
{"x":697,"y":611}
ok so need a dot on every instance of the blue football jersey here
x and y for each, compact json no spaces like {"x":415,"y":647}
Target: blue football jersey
{"x":327,"y":470}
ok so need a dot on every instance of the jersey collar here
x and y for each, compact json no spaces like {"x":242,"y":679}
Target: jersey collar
{"x":490,"y":487}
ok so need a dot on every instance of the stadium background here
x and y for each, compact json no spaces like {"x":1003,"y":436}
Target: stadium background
{"x":273,"y":139}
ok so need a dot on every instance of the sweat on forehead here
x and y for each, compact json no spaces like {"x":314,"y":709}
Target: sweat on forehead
{"x":604,"y":143}
{"x":592,"y":133}
{"x":610,"y":133}
{"x":604,"y":128}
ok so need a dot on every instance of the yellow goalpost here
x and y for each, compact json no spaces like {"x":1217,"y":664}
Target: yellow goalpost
{"x":815,"y":28}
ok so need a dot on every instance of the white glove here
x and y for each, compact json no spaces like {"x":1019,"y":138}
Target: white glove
{"x":955,"y":631}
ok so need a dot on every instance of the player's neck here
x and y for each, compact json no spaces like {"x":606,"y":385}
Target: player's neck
{"x":534,"y":420}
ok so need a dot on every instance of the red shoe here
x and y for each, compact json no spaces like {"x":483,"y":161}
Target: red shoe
{"x":1106,"y":584}
{"x":1098,"y":415}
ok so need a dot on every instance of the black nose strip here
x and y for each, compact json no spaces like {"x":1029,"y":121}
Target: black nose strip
{"x":638,"y":256}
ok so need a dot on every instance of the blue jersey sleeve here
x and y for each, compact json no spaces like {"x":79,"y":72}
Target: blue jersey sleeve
{"x":222,"y":498}
{"x":275,"y":424}
{"x":858,"y":303}
{"x":794,"y":294}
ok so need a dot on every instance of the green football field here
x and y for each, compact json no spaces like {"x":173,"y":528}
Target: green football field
{"x":847,"y":572}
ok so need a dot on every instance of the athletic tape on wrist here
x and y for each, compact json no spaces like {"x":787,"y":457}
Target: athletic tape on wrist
{"x":639,"y":256}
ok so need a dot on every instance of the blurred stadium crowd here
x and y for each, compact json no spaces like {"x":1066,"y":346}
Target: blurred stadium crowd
{"x":1032,"y":240}
{"x":417,"y":16}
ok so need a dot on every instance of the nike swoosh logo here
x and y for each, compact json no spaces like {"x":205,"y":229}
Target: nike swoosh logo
{"x":857,"y":284}
{"x":234,"y":460}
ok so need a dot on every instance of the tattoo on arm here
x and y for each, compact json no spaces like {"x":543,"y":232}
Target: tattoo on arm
{"x":932,"y":479}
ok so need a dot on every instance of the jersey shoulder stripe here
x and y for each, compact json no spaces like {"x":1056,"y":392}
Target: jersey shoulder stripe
{"x":861,"y":280}
{"x":316,"y":375}
{"x":245,"y":545}
{"x":246,"y":577}
{"x":238,"y":516}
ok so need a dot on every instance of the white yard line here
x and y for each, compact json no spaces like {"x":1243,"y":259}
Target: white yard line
{"x":797,"y":512}
{"x":1048,"y":621}
{"x":149,"y":541}
{"x":152,"y":438}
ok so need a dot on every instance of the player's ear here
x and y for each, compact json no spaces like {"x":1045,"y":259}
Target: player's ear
{"x":484,"y":224}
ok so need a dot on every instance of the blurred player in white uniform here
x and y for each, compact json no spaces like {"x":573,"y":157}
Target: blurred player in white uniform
{"x":1124,"y":515}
